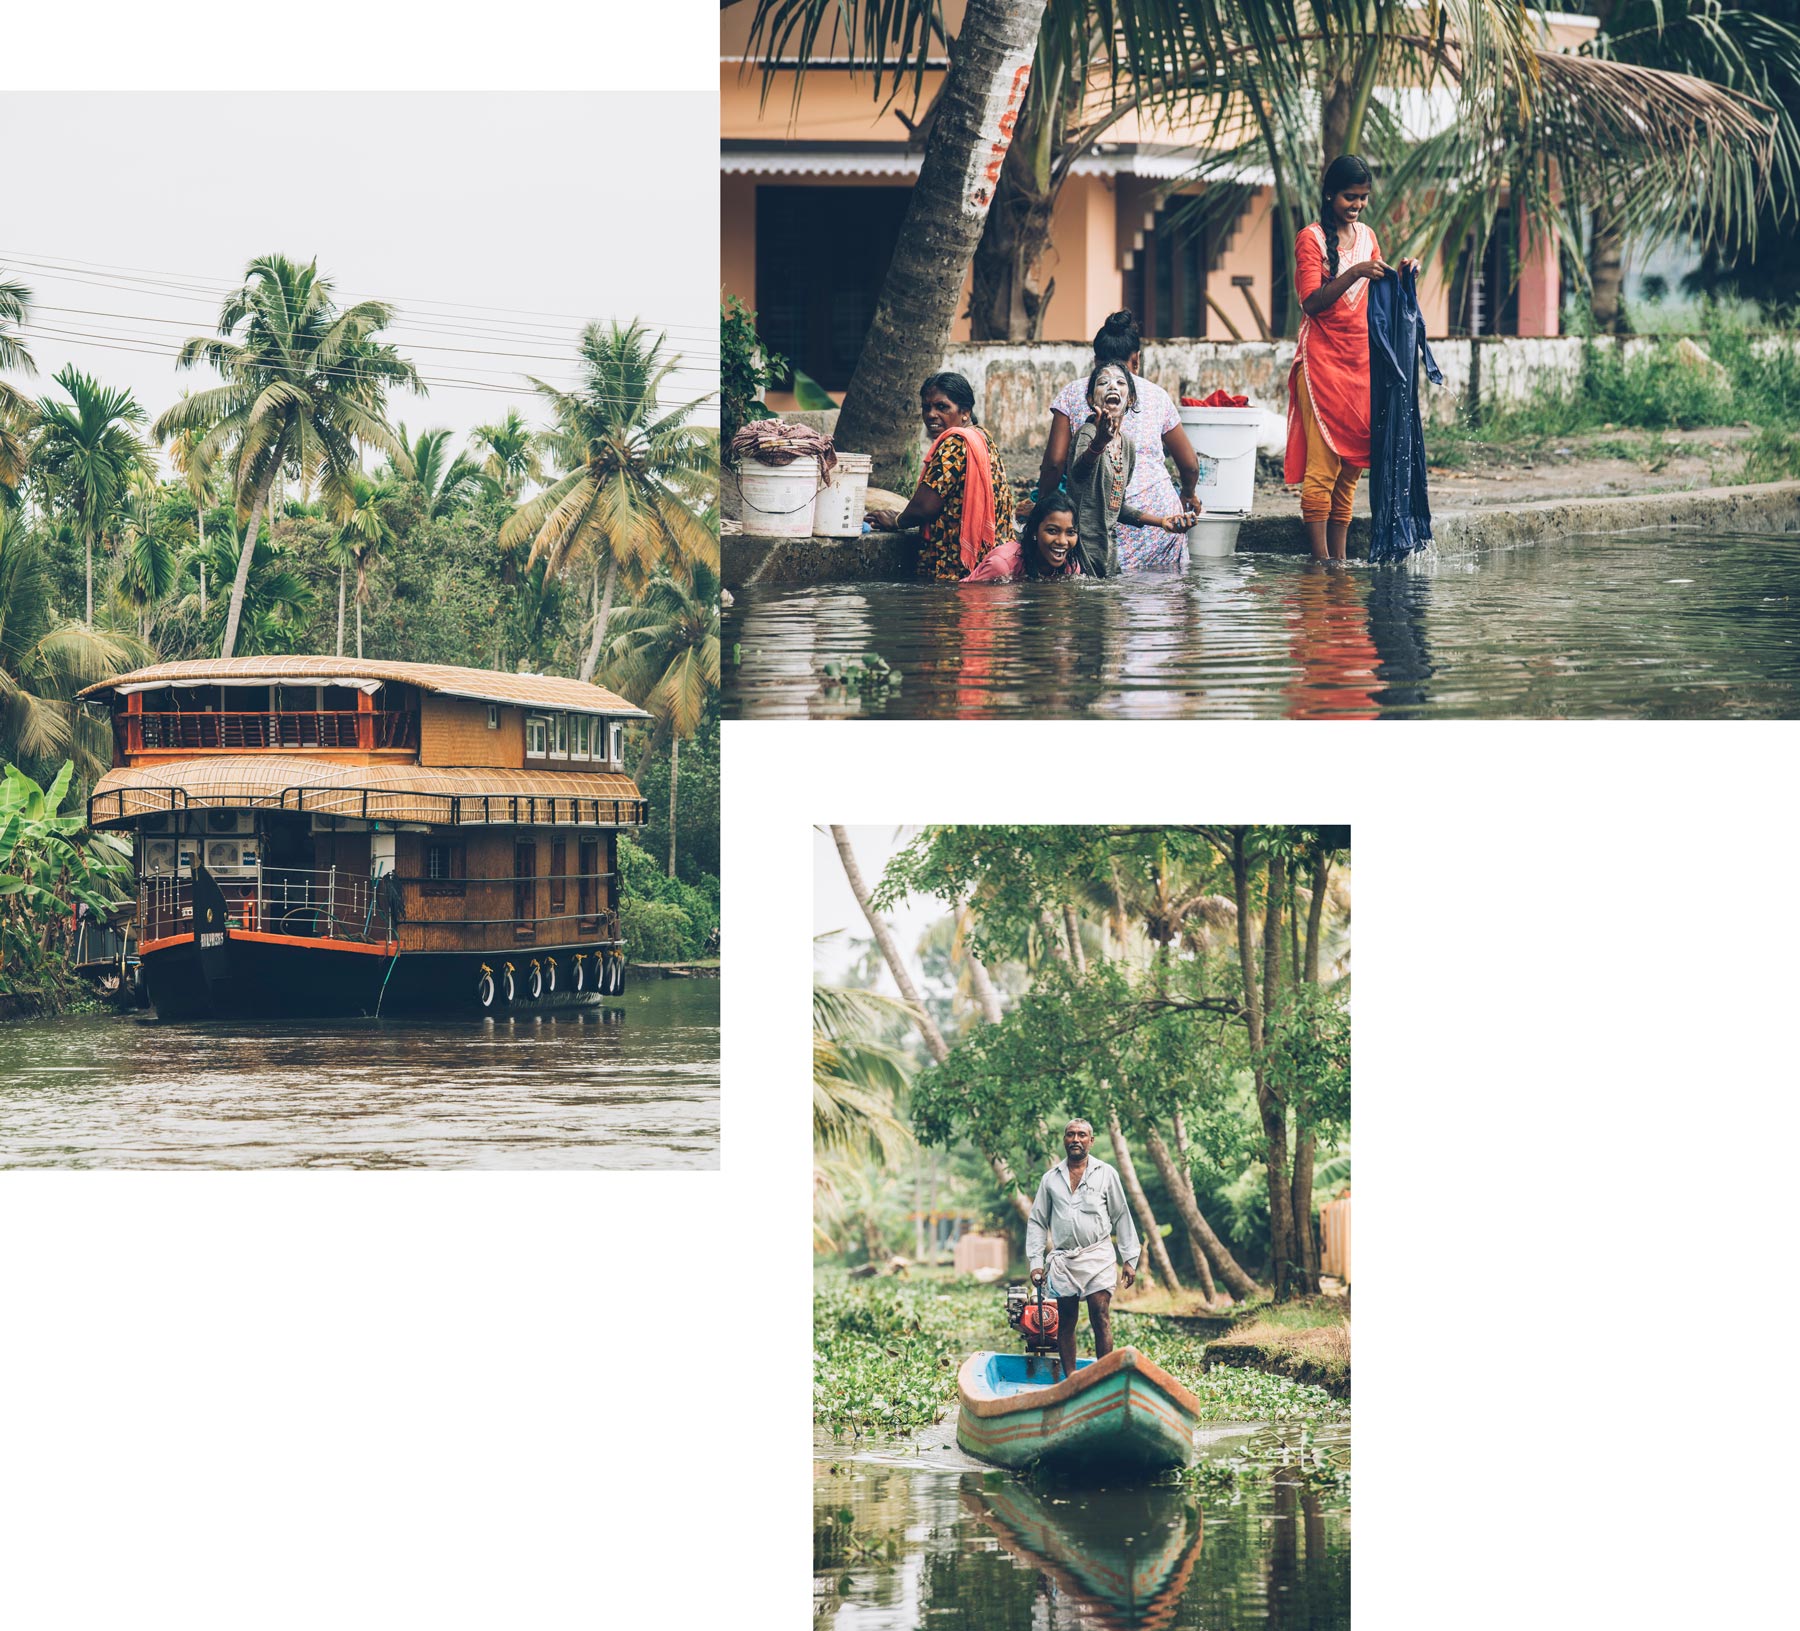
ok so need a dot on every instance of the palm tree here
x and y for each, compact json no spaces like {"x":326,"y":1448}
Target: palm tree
{"x":664,"y":653}
{"x":15,"y":410}
{"x":44,"y":662}
{"x":305,"y":389}
{"x":364,"y":531}
{"x":628,"y":501}
{"x":87,"y":451}
{"x":513,"y":456}
{"x":446,"y":483}
{"x":196,"y":469}
{"x":148,"y":566}
{"x":857,"y":1077}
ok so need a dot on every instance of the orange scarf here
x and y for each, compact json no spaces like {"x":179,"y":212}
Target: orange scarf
{"x":978,"y":493}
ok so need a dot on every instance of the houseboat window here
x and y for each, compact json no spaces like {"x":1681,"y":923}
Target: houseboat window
{"x":578,"y":746}
{"x":537,"y":737}
{"x":561,"y":748}
{"x":615,"y":748}
{"x":588,"y":890}
{"x":339,"y":699}
{"x":444,"y":861}
{"x":525,"y":891}
{"x":493,"y":716}
{"x":559,"y":881}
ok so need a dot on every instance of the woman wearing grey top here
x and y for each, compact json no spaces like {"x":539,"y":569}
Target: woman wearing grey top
{"x":1100,"y":471}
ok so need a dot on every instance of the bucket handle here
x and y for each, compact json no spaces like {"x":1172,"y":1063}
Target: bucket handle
{"x":1225,"y":458}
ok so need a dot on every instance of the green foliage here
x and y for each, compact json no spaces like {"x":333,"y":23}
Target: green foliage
{"x":697,"y":810}
{"x":663,"y":919}
{"x":46,"y":868}
{"x":885,"y":1354}
{"x":747,"y":368}
{"x":870,"y":676}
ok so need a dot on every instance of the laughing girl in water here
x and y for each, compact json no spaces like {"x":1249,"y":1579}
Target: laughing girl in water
{"x":1328,"y":387}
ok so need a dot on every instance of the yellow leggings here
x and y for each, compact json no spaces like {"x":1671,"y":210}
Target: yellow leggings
{"x":1329,"y":487}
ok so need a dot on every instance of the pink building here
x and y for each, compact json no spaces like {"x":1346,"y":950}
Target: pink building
{"x":812,"y":197}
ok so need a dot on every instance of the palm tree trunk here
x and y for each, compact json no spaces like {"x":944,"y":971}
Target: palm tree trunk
{"x":1140,"y":1202}
{"x":990,"y":67}
{"x":985,"y":993}
{"x":674,"y":776}
{"x":1306,"y":1264}
{"x":1008,"y":295}
{"x":359,"y":621}
{"x":88,"y":541}
{"x":935,"y":1044}
{"x":246,"y":551}
{"x":202,"y":520}
{"x":1606,"y":269}
{"x":1211,"y":1254}
{"x":1268,"y":1102}
{"x":602,"y":611}
{"x":340,"y":642}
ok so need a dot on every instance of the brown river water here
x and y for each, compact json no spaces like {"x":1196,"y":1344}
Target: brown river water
{"x":633,"y":1084}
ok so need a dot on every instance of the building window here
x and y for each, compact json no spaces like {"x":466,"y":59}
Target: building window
{"x":1166,"y":285}
{"x":493,"y":716}
{"x":537,"y":737}
{"x":615,"y":745}
{"x":578,"y":745}
{"x":822,"y":254}
{"x":559,"y":731}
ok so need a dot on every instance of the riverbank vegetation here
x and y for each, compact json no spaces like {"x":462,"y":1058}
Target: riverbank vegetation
{"x":282,"y":503}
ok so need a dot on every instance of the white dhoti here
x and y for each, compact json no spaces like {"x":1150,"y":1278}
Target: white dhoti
{"x":1080,"y":1271}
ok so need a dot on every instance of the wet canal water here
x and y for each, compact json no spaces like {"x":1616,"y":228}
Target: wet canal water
{"x":1632,"y":625}
{"x":632,"y":1084}
{"x":915,"y":1535}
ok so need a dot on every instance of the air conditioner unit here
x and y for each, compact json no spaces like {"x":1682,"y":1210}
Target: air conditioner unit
{"x":229,"y":821}
{"x":228,"y":858}
{"x":159,"y":857}
{"x":160,"y":822}
{"x":331,"y":823}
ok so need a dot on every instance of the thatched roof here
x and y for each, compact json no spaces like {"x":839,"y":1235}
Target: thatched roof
{"x":272,"y":781}
{"x":485,"y":685}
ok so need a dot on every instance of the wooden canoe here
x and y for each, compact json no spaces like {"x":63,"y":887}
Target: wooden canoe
{"x":1123,"y":1415}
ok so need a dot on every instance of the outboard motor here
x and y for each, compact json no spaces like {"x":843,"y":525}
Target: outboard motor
{"x":1032,"y":1317}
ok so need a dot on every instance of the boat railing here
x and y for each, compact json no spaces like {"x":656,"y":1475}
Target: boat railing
{"x":467,"y":809}
{"x":334,"y":903}
{"x":286,"y":728}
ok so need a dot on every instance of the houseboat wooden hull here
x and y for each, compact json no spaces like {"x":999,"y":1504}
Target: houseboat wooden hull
{"x":260,"y":976}
{"x":1123,"y":1416}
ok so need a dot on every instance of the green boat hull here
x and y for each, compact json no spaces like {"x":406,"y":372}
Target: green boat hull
{"x":1117,"y":1417}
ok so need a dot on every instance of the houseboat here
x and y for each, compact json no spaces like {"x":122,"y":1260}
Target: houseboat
{"x":332,"y":836}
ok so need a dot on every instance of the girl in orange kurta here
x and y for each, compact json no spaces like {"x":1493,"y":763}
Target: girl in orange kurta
{"x":1328,"y":387}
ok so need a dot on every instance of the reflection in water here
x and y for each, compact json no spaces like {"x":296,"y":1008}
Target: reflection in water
{"x":1657,"y":625}
{"x":631,"y":1084}
{"x":936,"y":1540}
{"x":1123,"y":1560}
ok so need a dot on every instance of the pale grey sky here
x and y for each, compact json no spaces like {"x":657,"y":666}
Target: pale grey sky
{"x":835,"y":908}
{"x":496,"y":222}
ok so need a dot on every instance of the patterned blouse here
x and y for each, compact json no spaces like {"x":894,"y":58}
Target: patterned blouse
{"x":1150,"y":489}
{"x":941,"y":558}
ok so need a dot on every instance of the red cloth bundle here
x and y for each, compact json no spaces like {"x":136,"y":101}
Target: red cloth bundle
{"x":1219,"y":399}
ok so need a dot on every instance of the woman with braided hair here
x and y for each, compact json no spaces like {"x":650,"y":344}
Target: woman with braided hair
{"x":1328,"y":387}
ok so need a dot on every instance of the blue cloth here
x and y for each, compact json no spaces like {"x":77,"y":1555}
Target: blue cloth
{"x":1400,"y":510}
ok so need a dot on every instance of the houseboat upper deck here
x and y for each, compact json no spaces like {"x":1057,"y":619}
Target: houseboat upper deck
{"x":338,"y":836}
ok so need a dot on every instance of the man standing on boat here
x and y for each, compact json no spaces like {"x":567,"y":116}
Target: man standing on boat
{"x":1080,"y":1205}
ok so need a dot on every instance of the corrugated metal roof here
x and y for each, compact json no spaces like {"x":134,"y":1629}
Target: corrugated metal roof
{"x":485,"y":685}
{"x":395,"y":792}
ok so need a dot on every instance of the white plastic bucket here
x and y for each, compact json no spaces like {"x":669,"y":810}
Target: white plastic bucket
{"x":1225,"y":441}
{"x":1214,"y":535}
{"x":778,"y":499}
{"x":839,"y":512}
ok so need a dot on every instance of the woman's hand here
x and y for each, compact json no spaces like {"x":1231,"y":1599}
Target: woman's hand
{"x":1410,"y":264}
{"x":1373,"y":269}
{"x":1180,"y":521}
{"x":1107,"y":420}
{"x":884,"y":520}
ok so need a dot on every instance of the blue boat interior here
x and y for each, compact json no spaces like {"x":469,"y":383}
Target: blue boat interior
{"x":1007,"y":1374}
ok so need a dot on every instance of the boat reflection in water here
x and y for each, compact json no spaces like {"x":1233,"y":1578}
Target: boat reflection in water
{"x":1119,"y":1558}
